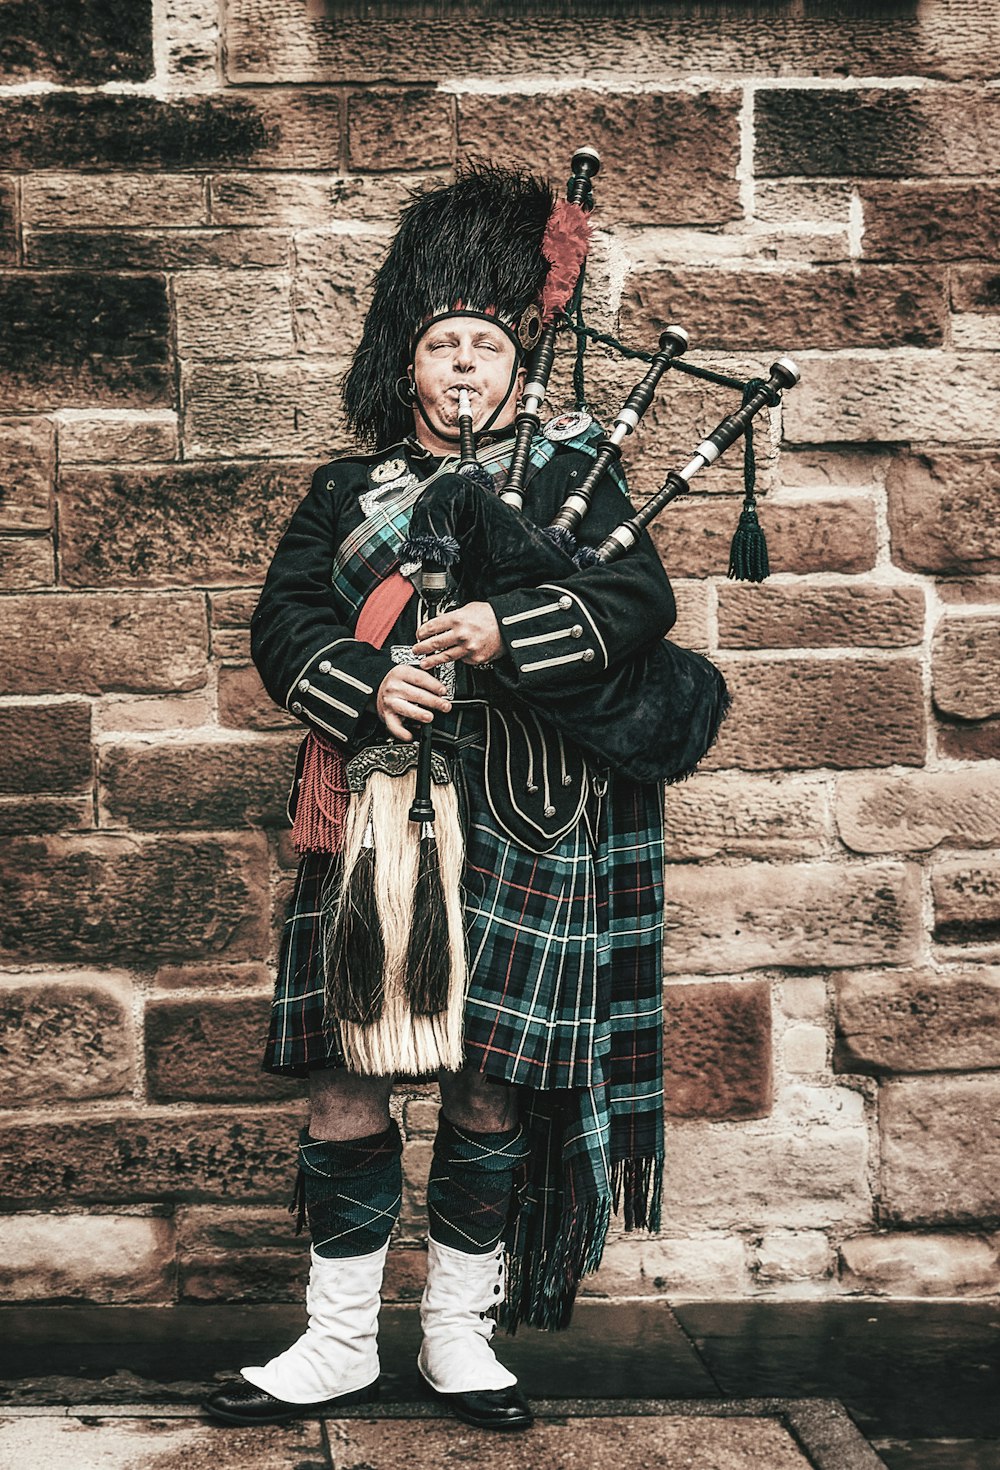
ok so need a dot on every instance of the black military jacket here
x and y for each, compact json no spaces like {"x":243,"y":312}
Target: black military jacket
{"x":302,"y":637}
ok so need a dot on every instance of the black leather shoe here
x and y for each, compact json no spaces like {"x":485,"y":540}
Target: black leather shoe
{"x":238,"y":1402}
{"x":486,"y":1408}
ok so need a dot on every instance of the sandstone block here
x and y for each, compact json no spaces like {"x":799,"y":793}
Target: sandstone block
{"x":332,"y":286}
{"x":965,"y":656}
{"x":872,"y":398}
{"x":281,"y":41}
{"x":702,"y":1265}
{"x":975,"y":288}
{"x":930,"y":221}
{"x":203,"y":785}
{"x":36,"y":814}
{"x":244,"y":1276}
{"x":803,"y":998}
{"x":698,"y":131}
{"x":832,"y":466}
{"x":905,"y":1263}
{"x":244,"y":703}
{"x":133,"y":131}
{"x":405,"y":1274}
{"x":966,"y":902}
{"x":45,"y":747}
{"x":976,"y":741}
{"x":311,"y":199}
{"x":754,"y":1178}
{"x":157,"y":1154}
{"x":778,"y":201}
{"x":717,"y":1050}
{"x":144,"y":714}
{"x":72,"y":201}
{"x":203,"y":1229}
{"x":803,"y":1049}
{"x":918,"y":1021}
{"x":825,"y":306}
{"x":78,"y":43}
{"x":810,"y":915}
{"x":881,"y":132}
{"x":89,"y":1258}
{"x":969,"y":589}
{"x":27,"y":467}
{"x":693,"y":536}
{"x":231,"y":643}
{"x":82,"y":643}
{"x":214,"y":977}
{"x":421,"y":1115}
{"x":691,"y":627}
{"x":279,"y":410}
{"x":112,"y":438}
{"x":803,"y":616}
{"x":9,"y":234}
{"x":792,"y":1256}
{"x":192,"y":42}
{"x":821,"y":712}
{"x":233,"y":609}
{"x":411,"y":128}
{"x":65,"y":1036}
{"x":83,"y":337}
{"x":233,"y":314}
{"x":169,"y":524}
{"x":26,"y":561}
{"x":417,"y":1156}
{"x":204,"y":1049}
{"x":940,"y":1150}
{"x":750,"y":816}
{"x":160,"y":250}
{"x":125,"y":899}
{"x":918,"y":812}
{"x":940,"y":517}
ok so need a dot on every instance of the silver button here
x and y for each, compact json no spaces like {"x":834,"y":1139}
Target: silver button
{"x":296,"y":708}
{"x":567,"y":780}
{"x":325,"y":666}
{"x":531,"y":789}
{"x":576,"y":631}
{"x":565,"y":602}
{"x":588,"y":654}
{"x":550,"y":811}
{"x":303,"y":686}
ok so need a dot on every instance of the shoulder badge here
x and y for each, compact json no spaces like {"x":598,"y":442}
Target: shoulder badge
{"x":389,"y":469}
{"x":568,"y":425}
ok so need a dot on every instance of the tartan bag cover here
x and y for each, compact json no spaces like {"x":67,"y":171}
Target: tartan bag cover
{"x":564,"y":996}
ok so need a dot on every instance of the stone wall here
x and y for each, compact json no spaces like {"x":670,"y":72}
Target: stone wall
{"x":188,"y":218}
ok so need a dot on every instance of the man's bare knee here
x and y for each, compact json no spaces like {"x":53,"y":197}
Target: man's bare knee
{"x":345,"y":1104}
{"x":471,"y":1100}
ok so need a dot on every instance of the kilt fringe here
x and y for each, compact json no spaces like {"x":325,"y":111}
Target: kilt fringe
{"x":543,"y":1277}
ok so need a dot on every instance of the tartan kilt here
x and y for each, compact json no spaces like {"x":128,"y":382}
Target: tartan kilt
{"x":564,"y":950}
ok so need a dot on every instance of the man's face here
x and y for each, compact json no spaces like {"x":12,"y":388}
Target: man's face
{"x":465,"y":352}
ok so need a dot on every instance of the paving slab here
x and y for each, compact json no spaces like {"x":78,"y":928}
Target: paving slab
{"x":670,"y":1442}
{"x":568,"y":1434}
{"x":905,"y":1370}
{"x":31,"y":1442}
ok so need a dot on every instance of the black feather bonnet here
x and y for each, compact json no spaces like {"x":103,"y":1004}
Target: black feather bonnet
{"x":472,"y":246}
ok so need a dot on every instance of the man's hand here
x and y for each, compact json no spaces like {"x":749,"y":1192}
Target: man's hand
{"x":409,"y":693}
{"x":469,"y":634}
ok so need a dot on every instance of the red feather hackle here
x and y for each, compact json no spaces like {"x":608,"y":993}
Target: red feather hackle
{"x":564,"y":245}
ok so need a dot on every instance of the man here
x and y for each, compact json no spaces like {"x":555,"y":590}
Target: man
{"x":551,"y":1117}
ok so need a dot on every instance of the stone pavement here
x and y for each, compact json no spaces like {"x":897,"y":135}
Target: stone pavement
{"x":693,"y":1384}
{"x":645,"y":1435}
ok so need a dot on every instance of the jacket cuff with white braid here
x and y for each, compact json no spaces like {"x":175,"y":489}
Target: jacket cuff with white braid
{"x":337,"y":687}
{"x":549,"y":634}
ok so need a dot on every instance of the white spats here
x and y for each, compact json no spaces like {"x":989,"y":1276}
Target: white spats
{"x":455,"y":1355}
{"x":338,"y":1352}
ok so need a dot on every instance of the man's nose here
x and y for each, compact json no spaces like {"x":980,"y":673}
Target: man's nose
{"x":465,"y":358}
